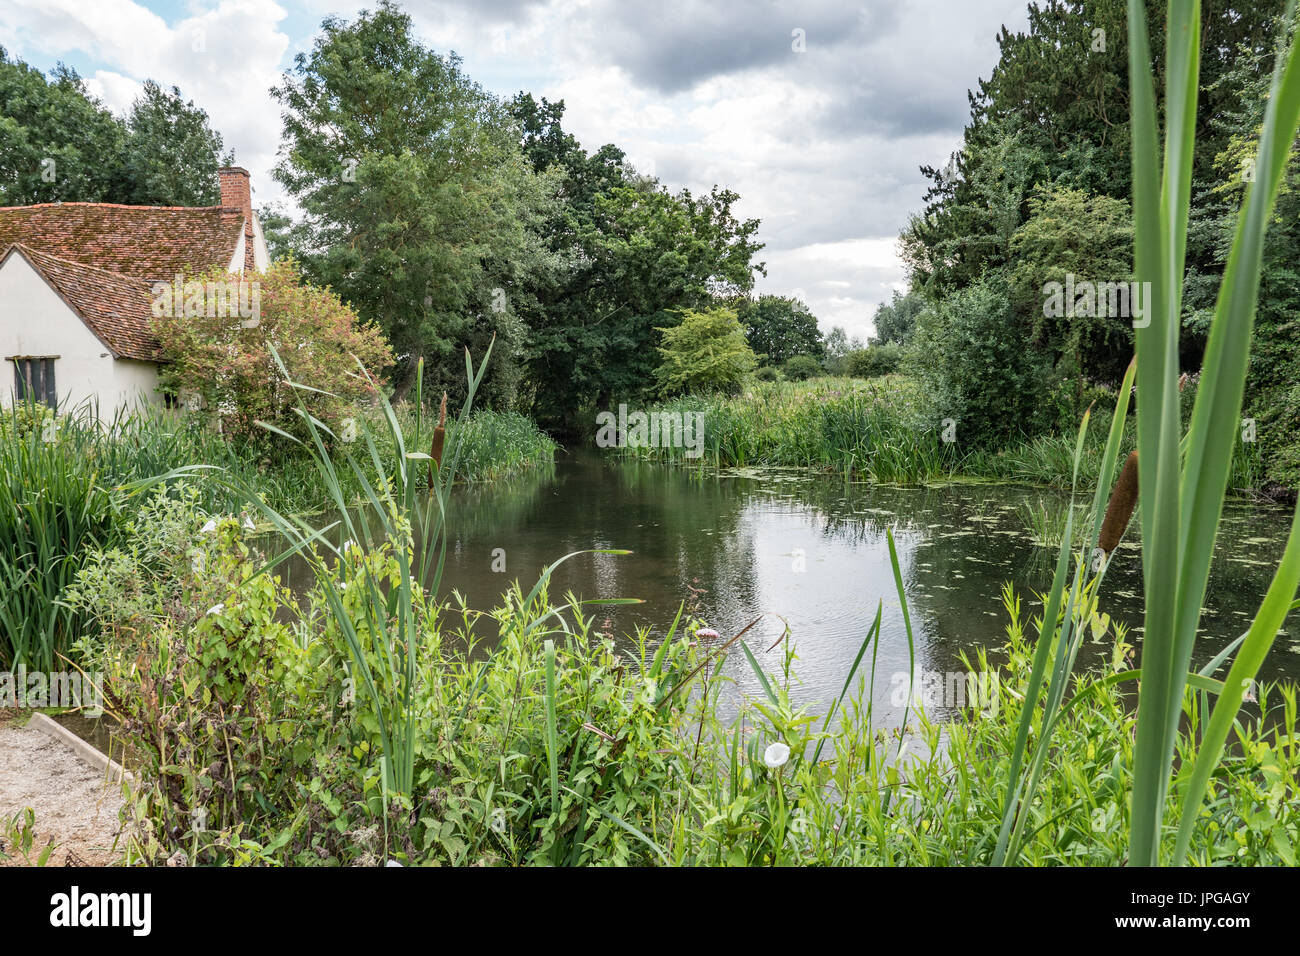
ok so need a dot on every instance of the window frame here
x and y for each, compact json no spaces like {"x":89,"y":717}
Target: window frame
{"x":26,"y":383}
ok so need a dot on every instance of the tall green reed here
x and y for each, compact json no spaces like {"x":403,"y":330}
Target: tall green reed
{"x":1182,"y":479}
{"x":1182,"y":500}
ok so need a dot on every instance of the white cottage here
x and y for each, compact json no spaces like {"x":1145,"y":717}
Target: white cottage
{"x":76,"y":288}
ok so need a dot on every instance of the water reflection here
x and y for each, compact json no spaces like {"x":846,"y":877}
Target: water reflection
{"x":813,"y":550}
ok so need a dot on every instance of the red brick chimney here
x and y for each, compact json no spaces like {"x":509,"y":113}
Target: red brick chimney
{"x":237,"y":192}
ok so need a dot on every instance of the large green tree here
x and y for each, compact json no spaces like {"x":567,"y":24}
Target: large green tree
{"x":629,"y":254}
{"x":1040,"y":185}
{"x":420,"y":208}
{"x":60,"y":144}
{"x":780,"y":327}
{"x":1081,"y":243}
{"x":171,"y":154}
{"x":895,"y":320}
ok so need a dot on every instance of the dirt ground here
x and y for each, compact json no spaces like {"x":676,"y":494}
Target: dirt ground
{"x":74,"y":804}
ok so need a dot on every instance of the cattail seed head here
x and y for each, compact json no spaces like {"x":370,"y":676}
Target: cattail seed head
{"x":1120,"y":509}
{"x":439,"y":437}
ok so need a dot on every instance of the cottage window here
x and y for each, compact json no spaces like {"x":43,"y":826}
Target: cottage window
{"x":34,"y":379}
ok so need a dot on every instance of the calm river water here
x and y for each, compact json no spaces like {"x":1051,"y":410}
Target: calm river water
{"x":743,"y":543}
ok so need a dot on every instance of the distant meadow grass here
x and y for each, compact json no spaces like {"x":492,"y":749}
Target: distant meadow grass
{"x":879,"y":428}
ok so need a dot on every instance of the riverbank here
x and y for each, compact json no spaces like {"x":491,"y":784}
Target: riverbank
{"x":373,"y":728}
{"x":888,"y":430}
{"x":68,"y":483}
{"x":560,"y":748}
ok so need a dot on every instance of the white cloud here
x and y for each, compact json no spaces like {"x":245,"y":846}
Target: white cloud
{"x":225,"y":58}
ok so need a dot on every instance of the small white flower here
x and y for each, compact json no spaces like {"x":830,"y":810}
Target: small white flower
{"x":248,"y":524}
{"x":776,"y":755}
{"x":211,"y":526}
{"x":216,"y":609}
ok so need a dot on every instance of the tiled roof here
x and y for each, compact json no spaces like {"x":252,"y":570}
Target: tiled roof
{"x":117,"y":308}
{"x":151,"y":242}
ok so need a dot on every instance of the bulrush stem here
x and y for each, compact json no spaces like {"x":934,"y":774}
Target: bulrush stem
{"x":439,"y":436}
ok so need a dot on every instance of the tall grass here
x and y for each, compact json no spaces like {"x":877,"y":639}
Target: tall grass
{"x":386,"y":628}
{"x":67,"y":476}
{"x":54,"y":506}
{"x":1182,"y":500}
{"x":1182,"y":480}
{"x":880,"y":429}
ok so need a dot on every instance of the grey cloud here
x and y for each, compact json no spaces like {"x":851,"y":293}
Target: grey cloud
{"x":674,"y":45}
{"x":491,"y":11}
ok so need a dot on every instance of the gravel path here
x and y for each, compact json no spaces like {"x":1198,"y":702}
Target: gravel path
{"x":74,"y":803}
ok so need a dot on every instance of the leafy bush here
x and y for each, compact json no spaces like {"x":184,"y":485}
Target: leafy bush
{"x":800,"y":368}
{"x":227,"y":361}
{"x":975,"y":359}
{"x":876,"y":360}
{"x":705,"y":352}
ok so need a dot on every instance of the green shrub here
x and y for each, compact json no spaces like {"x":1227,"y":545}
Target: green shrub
{"x":973,"y":356}
{"x":705,"y":352}
{"x":800,"y":368}
{"x":876,"y":360}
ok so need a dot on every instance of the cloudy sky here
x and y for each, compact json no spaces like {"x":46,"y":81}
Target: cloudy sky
{"x":817,"y":113}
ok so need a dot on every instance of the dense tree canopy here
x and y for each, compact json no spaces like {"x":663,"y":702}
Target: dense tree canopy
{"x":59,"y":144}
{"x":420,"y":209}
{"x":780,"y":328}
{"x":629,"y":255}
{"x":1039,"y":189}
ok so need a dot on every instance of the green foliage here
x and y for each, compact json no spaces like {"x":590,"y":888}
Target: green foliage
{"x":883,"y":429}
{"x":1041,"y":184}
{"x":705,"y":352}
{"x":54,"y":506}
{"x":880,"y":359}
{"x":979,"y":365}
{"x":1070,"y":232}
{"x":630,"y":254}
{"x":171,"y":154}
{"x":421,"y":211}
{"x":780,"y":328}
{"x":547,"y":746}
{"x":800,"y":368}
{"x":59,"y":144}
{"x":227,"y":360}
{"x":18,"y":840}
{"x":838,"y":345}
{"x":895,"y":320}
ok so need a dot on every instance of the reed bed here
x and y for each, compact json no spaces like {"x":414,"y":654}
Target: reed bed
{"x":67,"y":480}
{"x":879,"y":429}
